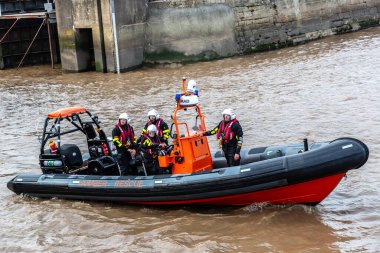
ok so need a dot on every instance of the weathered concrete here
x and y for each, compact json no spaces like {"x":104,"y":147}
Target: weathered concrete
{"x":262,"y":25}
{"x":71,"y":52}
{"x":258,"y":24}
{"x":130,"y":22}
{"x":96,"y":15}
{"x":190,"y":34}
{"x":193,"y":30}
{"x":72,"y":16}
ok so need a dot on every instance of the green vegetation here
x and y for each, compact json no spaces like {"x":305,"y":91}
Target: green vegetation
{"x":270,"y":46}
{"x":172,"y":56}
{"x":343,"y":29}
{"x":98,"y":66}
{"x":369,"y":23}
{"x":66,"y":42}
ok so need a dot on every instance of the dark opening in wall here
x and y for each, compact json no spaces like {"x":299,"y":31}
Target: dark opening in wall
{"x":85,"y":48}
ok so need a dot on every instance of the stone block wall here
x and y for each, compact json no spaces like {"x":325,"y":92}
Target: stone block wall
{"x":260,"y":24}
{"x":166,"y":31}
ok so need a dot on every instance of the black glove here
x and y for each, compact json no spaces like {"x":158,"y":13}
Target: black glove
{"x":124,"y":149}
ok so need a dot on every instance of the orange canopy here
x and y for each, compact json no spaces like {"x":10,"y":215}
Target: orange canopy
{"x":64,"y":112}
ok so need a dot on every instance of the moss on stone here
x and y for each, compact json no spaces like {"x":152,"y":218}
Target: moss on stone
{"x":172,"y":56}
{"x":66,"y":42}
{"x":361,"y":23}
{"x":343,"y":29}
{"x":369,"y":23}
{"x":98,"y":66}
{"x":269,"y":46}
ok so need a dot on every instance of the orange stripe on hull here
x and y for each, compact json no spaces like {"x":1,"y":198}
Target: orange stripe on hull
{"x":313,"y":191}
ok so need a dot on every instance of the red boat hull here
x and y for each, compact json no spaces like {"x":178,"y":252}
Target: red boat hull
{"x":313,"y":191}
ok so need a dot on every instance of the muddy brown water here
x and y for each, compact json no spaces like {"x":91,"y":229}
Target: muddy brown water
{"x":323,"y":90}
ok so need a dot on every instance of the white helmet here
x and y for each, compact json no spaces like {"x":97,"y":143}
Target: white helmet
{"x":191,"y":86}
{"x":125,"y":116}
{"x":152,"y":128}
{"x":229,"y":112}
{"x":153,"y":113}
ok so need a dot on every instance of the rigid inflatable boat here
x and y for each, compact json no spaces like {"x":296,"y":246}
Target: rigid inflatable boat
{"x":299,"y":173}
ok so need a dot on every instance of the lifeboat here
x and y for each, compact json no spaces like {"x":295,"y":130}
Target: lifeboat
{"x":287,"y":174}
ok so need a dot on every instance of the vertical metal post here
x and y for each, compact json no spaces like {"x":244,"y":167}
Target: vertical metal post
{"x":115,"y":36}
{"x":31,"y":43}
{"x":50,"y":46}
{"x":101,"y":30}
{"x":10,"y":28}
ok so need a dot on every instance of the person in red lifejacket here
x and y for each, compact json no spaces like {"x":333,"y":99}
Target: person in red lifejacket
{"x":230,"y":135}
{"x":124,"y":139}
{"x":161,"y":125}
{"x":151,"y":145}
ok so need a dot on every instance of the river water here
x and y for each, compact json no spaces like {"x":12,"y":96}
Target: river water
{"x":323,"y":90}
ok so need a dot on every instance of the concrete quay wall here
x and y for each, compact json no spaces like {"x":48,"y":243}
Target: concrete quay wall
{"x":167,"y":31}
{"x":86,"y":34}
{"x":189,"y":30}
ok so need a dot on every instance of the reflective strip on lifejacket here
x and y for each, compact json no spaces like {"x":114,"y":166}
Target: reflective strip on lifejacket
{"x":166,"y":134}
{"x":117,"y":141}
{"x":213,"y":131}
{"x":147,"y":142}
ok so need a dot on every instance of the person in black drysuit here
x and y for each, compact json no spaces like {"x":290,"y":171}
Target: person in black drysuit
{"x":162,"y":127}
{"x":124,"y":139}
{"x":151,"y":146}
{"x":230,"y":136}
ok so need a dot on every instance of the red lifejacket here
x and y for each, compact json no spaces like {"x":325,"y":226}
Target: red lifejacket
{"x":158,"y":126}
{"x":126,"y":134}
{"x":225,"y":128}
{"x":154,"y":139}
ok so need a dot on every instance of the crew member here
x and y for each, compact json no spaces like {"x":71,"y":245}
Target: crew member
{"x":151,"y":146}
{"x":124,"y":139}
{"x":161,"y":126}
{"x":230,"y":135}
